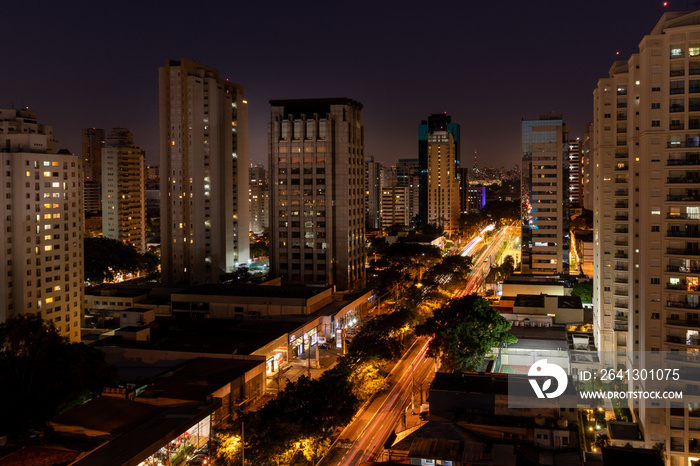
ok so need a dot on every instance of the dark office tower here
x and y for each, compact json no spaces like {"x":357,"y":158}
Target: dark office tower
{"x":545,"y":202}
{"x":439,"y":162}
{"x":259,"y":199}
{"x":203,"y":173}
{"x":93,"y":140}
{"x":317,"y":165}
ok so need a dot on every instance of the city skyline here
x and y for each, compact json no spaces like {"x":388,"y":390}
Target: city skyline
{"x":409,"y":61}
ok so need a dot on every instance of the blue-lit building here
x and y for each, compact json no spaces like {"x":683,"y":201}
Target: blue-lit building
{"x":439,"y":174}
{"x":545,"y":200}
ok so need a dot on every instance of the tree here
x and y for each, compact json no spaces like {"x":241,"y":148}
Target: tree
{"x":507,"y":211}
{"x":583,"y":290}
{"x":507,"y":266}
{"x":40,"y":373}
{"x":463,"y":333}
{"x":106,"y":257}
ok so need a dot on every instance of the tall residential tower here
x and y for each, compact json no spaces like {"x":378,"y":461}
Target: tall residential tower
{"x":438,"y":159}
{"x":41,"y":262}
{"x":123,"y":189}
{"x":203,"y":173}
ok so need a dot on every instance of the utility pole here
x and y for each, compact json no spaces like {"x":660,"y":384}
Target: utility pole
{"x":318,"y":348}
{"x":413,"y":391}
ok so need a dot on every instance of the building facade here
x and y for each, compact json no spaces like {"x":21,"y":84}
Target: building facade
{"x":317,"y":164}
{"x":203,"y":173}
{"x":373,"y":196}
{"x":124,"y":189}
{"x":438,"y":160}
{"x":259,"y":199}
{"x":545,"y":203}
{"x":42,"y":259}
{"x":408,"y":176}
{"x":395,"y":206}
{"x":574,"y":175}
{"x":647,"y":214}
{"x":92,"y":142}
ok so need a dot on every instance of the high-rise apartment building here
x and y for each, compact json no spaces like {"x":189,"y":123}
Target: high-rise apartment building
{"x":373,"y":193}
{"x":395,"y":206}
{"x":41,"y":262}
{"x":317,"y":165}
{"x":408,"y":176}
{"x":203,"y":173}
{"x":587,"y":176}
{"x":545,"y":203}
{"x":123,"y":189}
{"x":575,"y":175}
{"x":259,"y":199}
{"x":438,"y":159}
{"x":647,"y":218}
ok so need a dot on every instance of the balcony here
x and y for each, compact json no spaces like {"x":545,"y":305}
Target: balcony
{"x":621,"y":218}
{"x":680,"y":144}
{"x":621,"y":155}
{"x":683,"y":251}
{"x":687,"y":160}
{"x":683,"y":197}
{"x":621,"y":180}
{"x":682,"y":341}
{"x":682,"y":216}
{"x":621,"y":243}
{"x":620,"y":293}
{"x":622,"y":281}
{"x":621,"y":230}
{"x":622,"y":205}
{"x":682,"y":305}
{"x":683,"y":179}
{"x":621,"y":255}
{"x":676,"y":108}
{"x":620,"y":327}
{"x":674,"y":73}
{"x":621,"y":192}
{"x":682,"y":286}
{"x":683,"y":234}
{"x":682,"y":269}
{"x":621,"y":267}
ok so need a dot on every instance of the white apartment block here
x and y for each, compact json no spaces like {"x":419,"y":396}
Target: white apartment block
{"x":647,"y":217}
{"x":203,"y":173}
{"x":41,"y":263}
{"x":317,"y":167}
{"x":123,"y":190}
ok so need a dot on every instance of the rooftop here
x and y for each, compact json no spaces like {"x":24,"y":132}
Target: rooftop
{"x":299,"y":292}
{"x":197,"y":379}
{"x":218,"y":336}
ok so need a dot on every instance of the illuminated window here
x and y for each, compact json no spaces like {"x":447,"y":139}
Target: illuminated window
{"x":47,"y":174}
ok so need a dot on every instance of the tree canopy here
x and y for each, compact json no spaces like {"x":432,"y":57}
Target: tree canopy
{"x":105,"y":258}
{"x":40,"y":372}
{"x":583,"y":290}
{"x":463,"y":333}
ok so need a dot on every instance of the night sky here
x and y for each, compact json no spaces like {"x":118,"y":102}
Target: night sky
{"x":486,"y":63}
